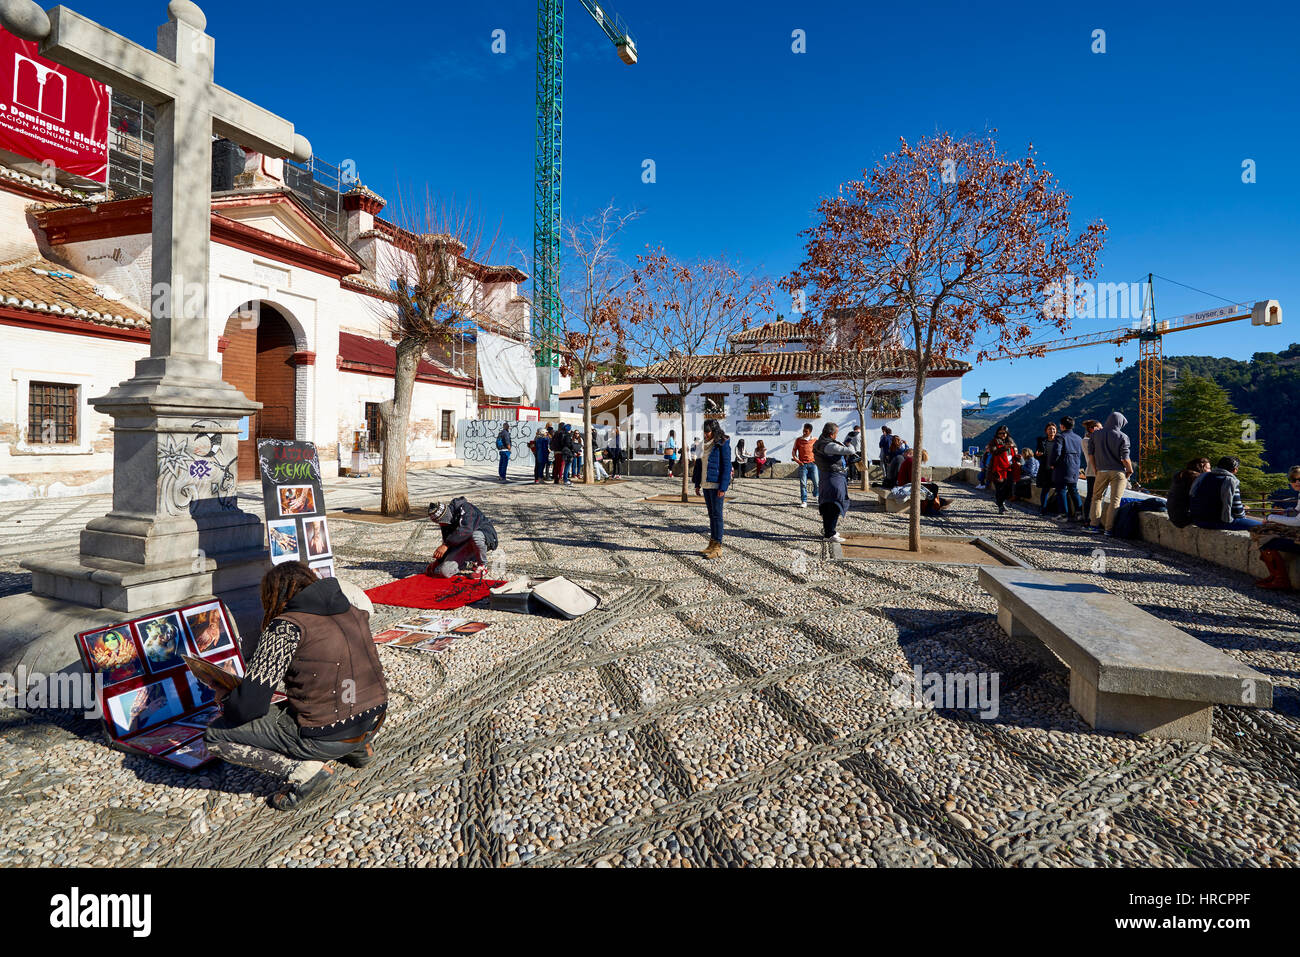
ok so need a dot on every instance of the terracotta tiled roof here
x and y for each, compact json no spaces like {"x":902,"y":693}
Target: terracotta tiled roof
{"x":40,"y":286}
{"x":781,"y":330}
{"x":778,"y":365}
{"x":597,"y":391}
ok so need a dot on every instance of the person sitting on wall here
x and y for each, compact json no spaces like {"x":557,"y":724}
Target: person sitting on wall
{"x":761,"y":460}
{"x":742,"y":460}
{"x":467,"y":537}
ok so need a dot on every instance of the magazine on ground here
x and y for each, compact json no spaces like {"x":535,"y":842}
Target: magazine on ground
{"x":429,"y":633}
{"x":152,"y":701}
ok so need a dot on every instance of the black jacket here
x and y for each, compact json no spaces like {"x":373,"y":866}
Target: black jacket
{"x":1179,"y":501}
{"x":466,"y":519}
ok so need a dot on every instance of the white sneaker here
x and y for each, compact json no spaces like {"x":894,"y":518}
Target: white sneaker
{"x":803,"y":504}
{"x":837,"y":537}
{"x":980,"y":487}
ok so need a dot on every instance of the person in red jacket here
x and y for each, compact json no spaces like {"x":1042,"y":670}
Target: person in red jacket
{"x":1002,"y":450}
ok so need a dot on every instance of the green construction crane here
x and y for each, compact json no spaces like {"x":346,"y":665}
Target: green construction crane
{"x":547,"y":166}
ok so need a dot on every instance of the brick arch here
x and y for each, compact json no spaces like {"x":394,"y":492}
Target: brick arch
{"x":257,"y":358}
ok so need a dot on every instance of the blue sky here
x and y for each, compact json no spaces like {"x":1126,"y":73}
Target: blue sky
{"x":746,"y":135}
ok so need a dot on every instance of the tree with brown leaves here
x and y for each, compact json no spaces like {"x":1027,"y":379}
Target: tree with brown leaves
{"x":429,"y":264}
{"x":945,"y":248}
{"x":683,"y":313}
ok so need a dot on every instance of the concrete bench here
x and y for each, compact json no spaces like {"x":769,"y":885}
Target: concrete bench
{"x":1129,"y":671}
{"x":889,"y":502}
{"x":1231,"y":549}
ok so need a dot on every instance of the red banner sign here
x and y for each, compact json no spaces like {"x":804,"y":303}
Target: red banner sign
{"x":50,"y":114}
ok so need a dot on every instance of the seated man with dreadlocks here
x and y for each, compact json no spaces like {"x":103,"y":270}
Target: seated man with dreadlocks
{"x":319,"y":645}
{"x":467,"y":537}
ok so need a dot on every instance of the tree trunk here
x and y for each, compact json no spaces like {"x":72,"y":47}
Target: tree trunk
{"x":394,"y":498}
{"x":864,"y":463}
{"x":918,"y":434}
{"x":681,"y":448}
{"x":588,"y":467}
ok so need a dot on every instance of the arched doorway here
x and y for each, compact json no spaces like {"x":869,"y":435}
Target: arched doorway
{"x":258,"y":361}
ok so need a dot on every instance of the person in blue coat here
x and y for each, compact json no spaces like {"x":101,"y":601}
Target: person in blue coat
{"x":716,"y":456}
{"x":1067,"y":462}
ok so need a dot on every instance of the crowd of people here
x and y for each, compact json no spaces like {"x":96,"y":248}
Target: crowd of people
{"x":558,"y":454}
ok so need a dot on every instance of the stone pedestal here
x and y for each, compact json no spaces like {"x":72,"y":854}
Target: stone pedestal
{"x":1141,"y":714}
{"x":176,"y":533}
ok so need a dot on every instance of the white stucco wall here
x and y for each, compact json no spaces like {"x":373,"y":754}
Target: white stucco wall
{"x":941,"y":414}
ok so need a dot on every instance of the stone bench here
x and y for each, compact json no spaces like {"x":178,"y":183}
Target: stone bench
{"x":1231,"y":549}
{"x":888,"y":502}
{"x":1129,"y":671}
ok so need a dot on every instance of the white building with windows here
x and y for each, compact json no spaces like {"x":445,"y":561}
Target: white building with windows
{"x":298,"y":324}
{"x":770,"y":384}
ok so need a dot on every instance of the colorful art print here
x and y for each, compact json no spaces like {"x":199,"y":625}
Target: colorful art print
{"x":435,"y":624}
{"x":209,"y":631}
{"x":162,"y":639}
{"x":410,"y":638}
{"x":469,"y":628}
{"x":278,"y":697}
{"x":233,"y":665}
{"x":316,"y":537}
{"x":190,"y":756}
{"x":284,"y":460}
{"x":433,"y":644}
{"x":384,"y":637}
{"x":145,"y":707}
{"x":164,"y":739}
{"x":296,"y":499}
{"x":283,"y":539}
{"x":112,"y":653}
{"x":323,"y":569}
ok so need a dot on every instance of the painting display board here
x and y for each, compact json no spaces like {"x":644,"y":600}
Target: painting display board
{"x":151,"y":702}
{"x":296,"y":527}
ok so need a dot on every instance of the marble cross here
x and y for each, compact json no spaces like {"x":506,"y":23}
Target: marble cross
{"x":177,"y":81}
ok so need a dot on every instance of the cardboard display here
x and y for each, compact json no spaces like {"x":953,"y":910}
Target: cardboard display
{"x":294,"y":498}
{"x":151,"y":702}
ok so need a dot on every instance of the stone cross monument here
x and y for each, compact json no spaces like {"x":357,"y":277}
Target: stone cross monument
{"x":175,"y":532}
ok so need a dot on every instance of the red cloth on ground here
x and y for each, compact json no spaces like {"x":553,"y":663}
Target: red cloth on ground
{"x":427,"y":592}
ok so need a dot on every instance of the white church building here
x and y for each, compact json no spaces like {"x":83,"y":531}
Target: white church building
{"x":299,"y":325}
{"x":770,"y":383}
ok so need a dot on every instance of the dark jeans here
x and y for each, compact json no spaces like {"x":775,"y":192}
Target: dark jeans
{"x":697,"y":471}
{"x":1237,"y":524}
{"x":1002,"y":491}
{"x":504,"y":455}
{"x":539,"y":469}
{"x":831,"y":512}
{"x":1087,"y":499}
{"x":1068,"y":496}
{"x":714,"y":506}
{"x":272,"y":743}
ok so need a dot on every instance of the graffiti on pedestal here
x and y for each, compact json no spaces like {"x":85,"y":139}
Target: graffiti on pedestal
{"x":197,"y":469}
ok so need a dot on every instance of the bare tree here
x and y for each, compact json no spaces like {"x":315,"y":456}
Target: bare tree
{"x":594,"y":309}
{"x":429,"y":264}
{"x":683,"y":313}
{"x":953,"y":241}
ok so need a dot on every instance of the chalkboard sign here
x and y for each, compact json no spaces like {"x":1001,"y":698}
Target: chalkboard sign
{"x":296,"y":527}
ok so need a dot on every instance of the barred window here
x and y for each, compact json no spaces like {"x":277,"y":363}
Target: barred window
{"x":887,"y":405}
{"x":668,"y":404}
{"x":374,"y":428}
{"x":758,"y":403}
{"x":448,"y":425}
{"x":52,"y":413}
{"x":715,"y":405}
{"x":810,"y":403}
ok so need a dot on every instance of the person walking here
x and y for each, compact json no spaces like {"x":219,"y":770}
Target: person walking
{"x":670,"y":451}
{"x":806,"y":463}
{"x":1067,"y":461}
{"x":541,"y":445}
{"x":503,"y":450}
{"x":1045,"y":453}
{"x":715,"y":453}
{"x":1110,"y":451}
{"x":832,"y":459}
{"x":1001,"y":476}
{"x":1090,"y":467}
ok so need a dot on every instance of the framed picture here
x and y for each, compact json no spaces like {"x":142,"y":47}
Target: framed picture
{"x":192,"y":755}
{"x":145,"y":707}
{"x":209,"y":631}
{"x":323,"y":569}
{"x":112,"y":653}
{"x":163,"y":641}
{"x":283,"y":538}
{"x":296,"y":499}
{"x":161,"y":740}
{"x":316,"y":537}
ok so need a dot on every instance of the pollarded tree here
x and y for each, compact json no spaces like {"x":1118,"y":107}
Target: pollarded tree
{"x":955,"y":249}
{"x":594,"y":310}
{"x":1201,"y":421}
{"x":429,"y":264}
{"x":683,"y":313}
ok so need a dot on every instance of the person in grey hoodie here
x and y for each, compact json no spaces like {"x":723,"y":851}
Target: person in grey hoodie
{"x":1110,"y":453}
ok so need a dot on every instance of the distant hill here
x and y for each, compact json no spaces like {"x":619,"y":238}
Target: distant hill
{"x":975,"y":420}
{"x":1266,"y":389}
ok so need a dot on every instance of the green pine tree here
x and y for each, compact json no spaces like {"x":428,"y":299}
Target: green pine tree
{"x":1201,"y":421}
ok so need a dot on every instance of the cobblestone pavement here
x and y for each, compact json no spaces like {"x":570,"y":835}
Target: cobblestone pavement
{"x":734,"y":712}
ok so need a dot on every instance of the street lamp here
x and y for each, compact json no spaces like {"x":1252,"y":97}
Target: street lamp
{"x":984,"y":399}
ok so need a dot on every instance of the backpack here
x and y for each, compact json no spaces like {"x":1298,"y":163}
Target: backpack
{"x":501,"y":443}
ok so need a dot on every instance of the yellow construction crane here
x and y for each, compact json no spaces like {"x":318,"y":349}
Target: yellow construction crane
{"x":1150,"y":335}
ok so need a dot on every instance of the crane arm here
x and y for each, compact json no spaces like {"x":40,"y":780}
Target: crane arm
{"x":612,"y":25}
